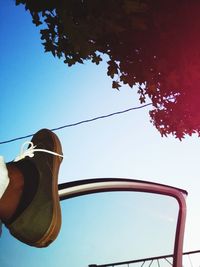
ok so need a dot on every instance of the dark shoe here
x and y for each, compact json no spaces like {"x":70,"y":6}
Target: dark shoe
{"x":39,"y":223}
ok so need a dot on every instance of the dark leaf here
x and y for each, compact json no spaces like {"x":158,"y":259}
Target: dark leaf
{"x":115,"y":85}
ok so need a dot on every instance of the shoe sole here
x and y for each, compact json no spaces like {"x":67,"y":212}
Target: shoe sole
{"x":55,"y":225}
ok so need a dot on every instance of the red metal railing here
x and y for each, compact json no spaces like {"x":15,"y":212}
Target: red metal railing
{"x":165,"y":260}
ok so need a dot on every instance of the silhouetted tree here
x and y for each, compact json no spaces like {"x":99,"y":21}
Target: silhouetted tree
{"x":152,"y":43}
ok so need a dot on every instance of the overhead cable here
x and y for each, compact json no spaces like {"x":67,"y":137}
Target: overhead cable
{"x":78,"y":123}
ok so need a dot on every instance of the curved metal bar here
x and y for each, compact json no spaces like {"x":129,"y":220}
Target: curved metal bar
{"x":90,"y":186}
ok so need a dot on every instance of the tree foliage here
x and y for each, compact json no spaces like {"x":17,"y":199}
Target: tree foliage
{"x":152,"y":43}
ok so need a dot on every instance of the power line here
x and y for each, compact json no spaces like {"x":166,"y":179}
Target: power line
{"x":78,"y":123}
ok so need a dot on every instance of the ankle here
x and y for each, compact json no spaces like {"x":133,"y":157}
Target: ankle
{"x":16,"y":176}
{"x":12,"y":195}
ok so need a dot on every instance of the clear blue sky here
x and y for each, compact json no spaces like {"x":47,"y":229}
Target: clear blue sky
{"x":38,"y":91}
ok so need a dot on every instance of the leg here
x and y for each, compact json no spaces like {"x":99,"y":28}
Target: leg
{"x":30,"y":206}
{"x":11,"y":197}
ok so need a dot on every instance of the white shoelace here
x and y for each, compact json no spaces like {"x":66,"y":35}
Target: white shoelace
{"x":29,"y":152}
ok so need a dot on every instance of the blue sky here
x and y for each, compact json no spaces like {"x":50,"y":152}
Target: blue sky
{"x":38,"y":91}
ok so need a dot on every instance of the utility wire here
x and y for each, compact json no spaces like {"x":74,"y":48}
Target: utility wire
{"x":78,"y":123}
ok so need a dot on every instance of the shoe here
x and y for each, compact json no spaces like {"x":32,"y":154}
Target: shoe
{"x":38,"y":224}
